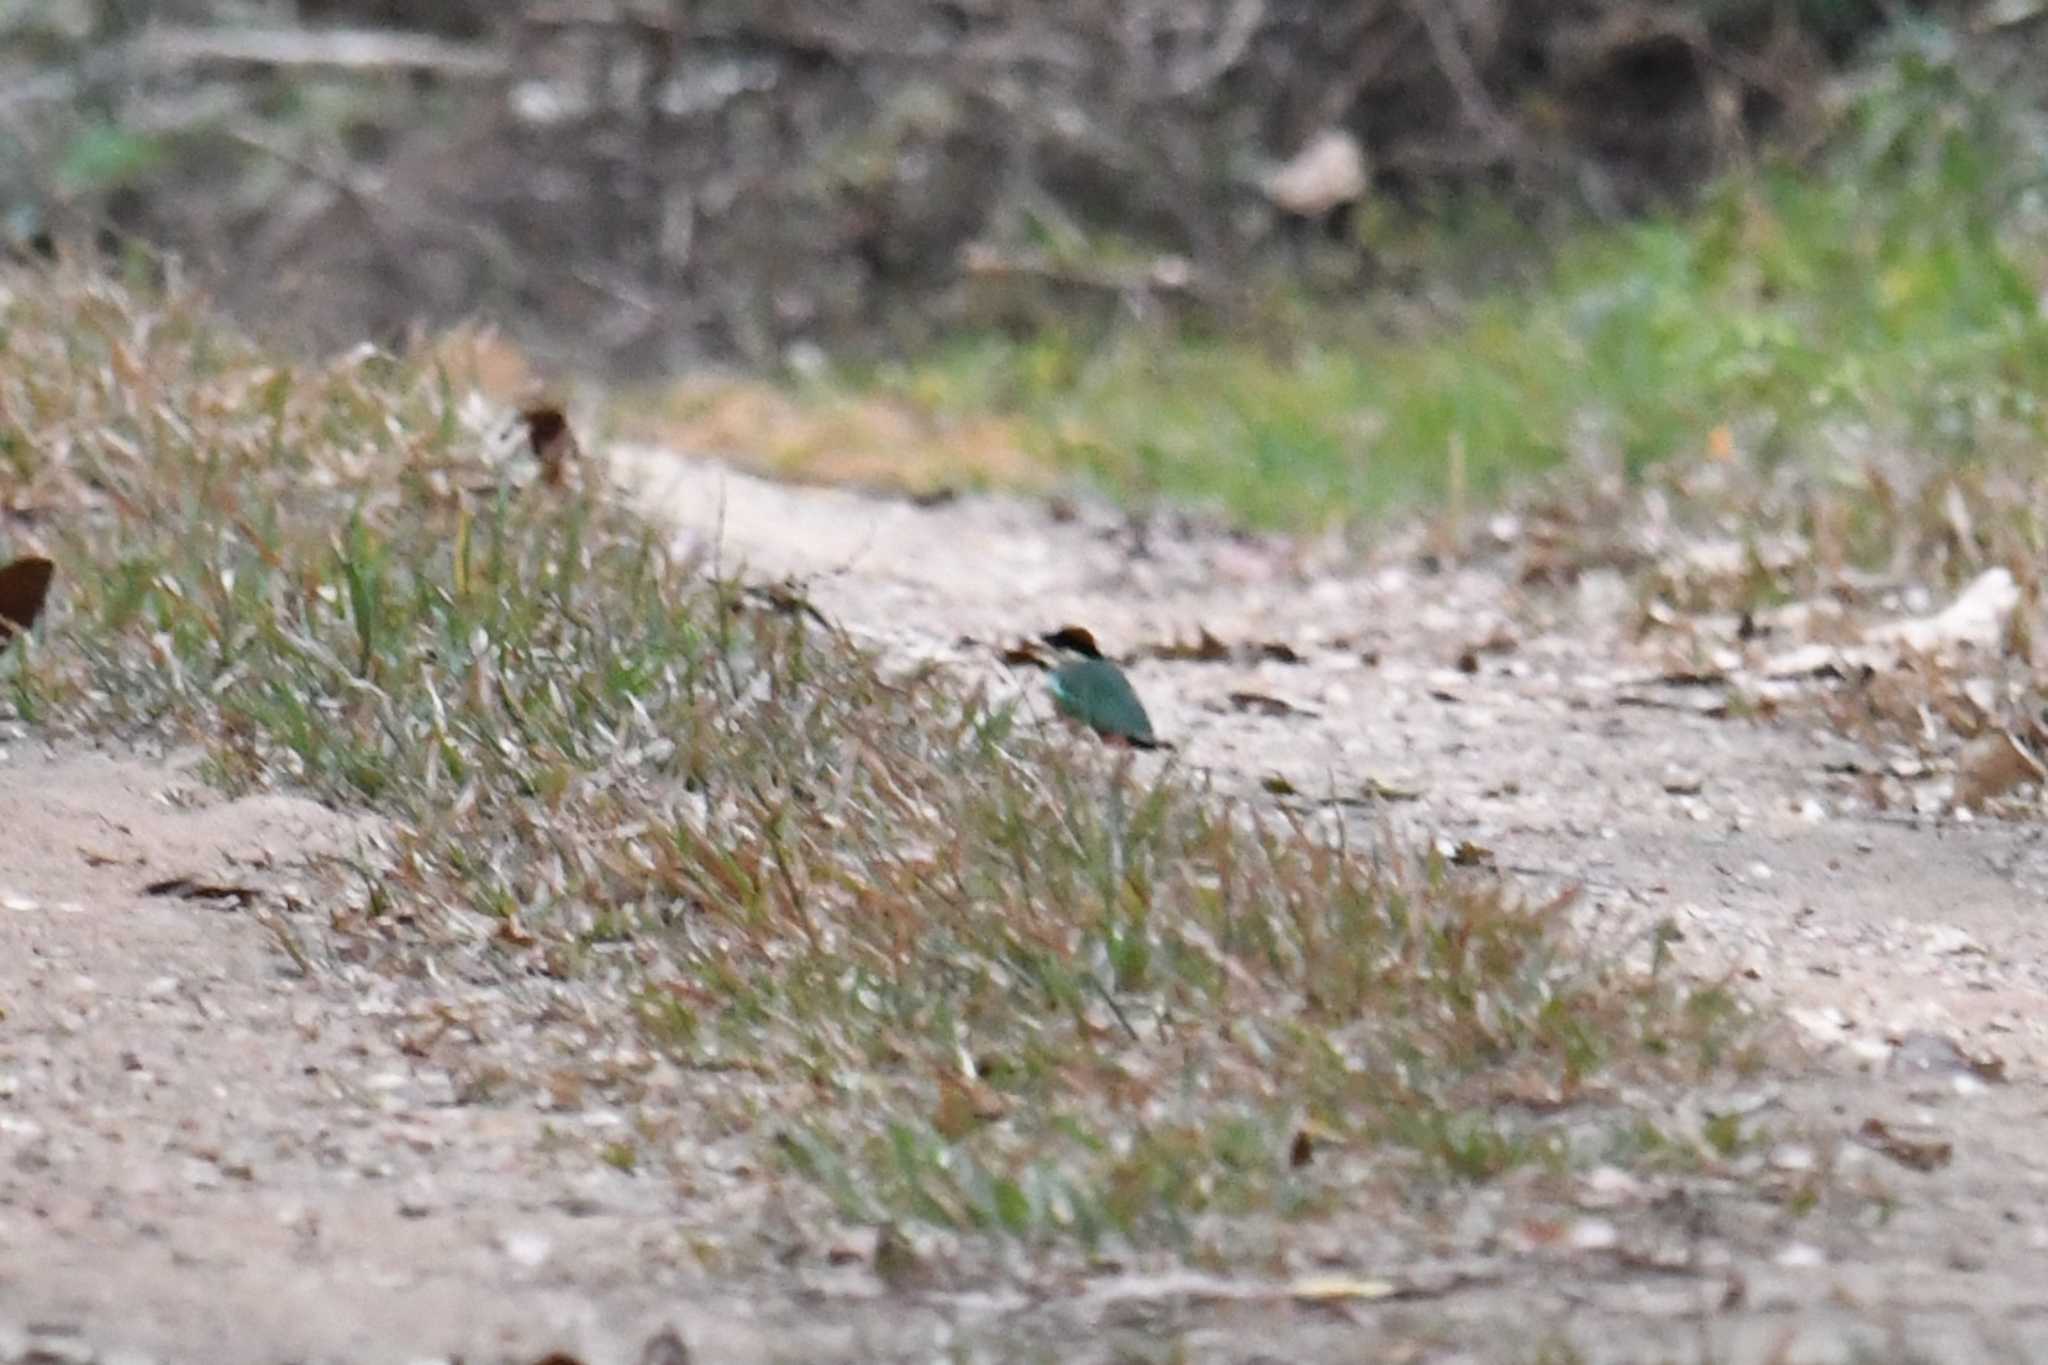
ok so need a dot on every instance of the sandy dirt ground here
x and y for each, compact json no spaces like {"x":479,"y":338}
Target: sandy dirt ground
{"x":221,"y":1140}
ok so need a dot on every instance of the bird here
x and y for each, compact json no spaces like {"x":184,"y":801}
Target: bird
{"x":1091,"y":690}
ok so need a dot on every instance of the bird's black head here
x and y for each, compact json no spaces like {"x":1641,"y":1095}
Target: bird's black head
{"x":1076,"y":638}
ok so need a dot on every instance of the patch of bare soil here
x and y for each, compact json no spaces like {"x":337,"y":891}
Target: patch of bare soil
{"x":209,"y":1154}
{"x":223,"y":1139}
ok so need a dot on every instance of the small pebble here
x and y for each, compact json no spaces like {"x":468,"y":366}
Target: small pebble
{"x":1594,"y":1234}
{"x":1793,"y":1156}
{"x":1801,"y":1256}
{"x":529,"y":1250}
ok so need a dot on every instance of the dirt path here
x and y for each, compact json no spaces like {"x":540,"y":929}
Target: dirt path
{"x":1745,"y":834}
{"x":208,"y":1154}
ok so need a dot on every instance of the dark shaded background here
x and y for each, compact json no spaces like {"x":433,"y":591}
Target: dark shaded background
{"x":635,"y":189}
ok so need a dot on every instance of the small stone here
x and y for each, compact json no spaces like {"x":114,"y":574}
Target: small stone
{"x":1945,"y":940}
{"x":1801,"y":1256}
{"x":1607,"y":1187}
{"x":1825,"y":1025}
{"x":1924,"y":1053}
{"x":528,"y":1250}
{"x":1594,"y":1234}
{"x":1678,"y":781}
{"x":1793,"y":1156}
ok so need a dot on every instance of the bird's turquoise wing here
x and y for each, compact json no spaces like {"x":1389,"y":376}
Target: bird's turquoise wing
{"x":1097,"y":694}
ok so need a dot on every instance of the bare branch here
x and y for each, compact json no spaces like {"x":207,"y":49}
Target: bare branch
{"x":1240,"y":26}
{"x":354,"y":50}
{"x":1161,"y":275}
{"x":1457,"y":68}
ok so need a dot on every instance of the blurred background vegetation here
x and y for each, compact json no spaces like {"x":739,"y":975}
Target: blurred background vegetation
{"x":1303,"y":259}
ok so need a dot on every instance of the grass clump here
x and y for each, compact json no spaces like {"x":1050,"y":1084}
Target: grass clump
{"x":957,"y":972}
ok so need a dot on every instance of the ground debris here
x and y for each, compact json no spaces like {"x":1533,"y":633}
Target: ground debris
{"x":194,"y":889}
{"x":1916,"y":1148}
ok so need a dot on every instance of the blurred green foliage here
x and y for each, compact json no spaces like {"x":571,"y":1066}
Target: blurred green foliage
{"x":1893,"y":288}
{"x":103,"y":157}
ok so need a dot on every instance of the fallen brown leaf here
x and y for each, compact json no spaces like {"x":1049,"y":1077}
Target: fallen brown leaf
{"x":1992,"y":765}
{"x":1307,"y":1139}
{"x":1266,"y":705}
{"x":1205,"y":649}
{"x":191,"y":889}
{"x":1391,"y":789}
{"x":1024,"y":656}
{"x":553,"y":443}
{"x":1499,"y":642}
{"x":1469,"y":854}
{"x":964,"y":1106}
{"x":24,"y":587}
{"x":897,"y":1263}
{"x":94,"y":858}
{"x":1919,"y":1153}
